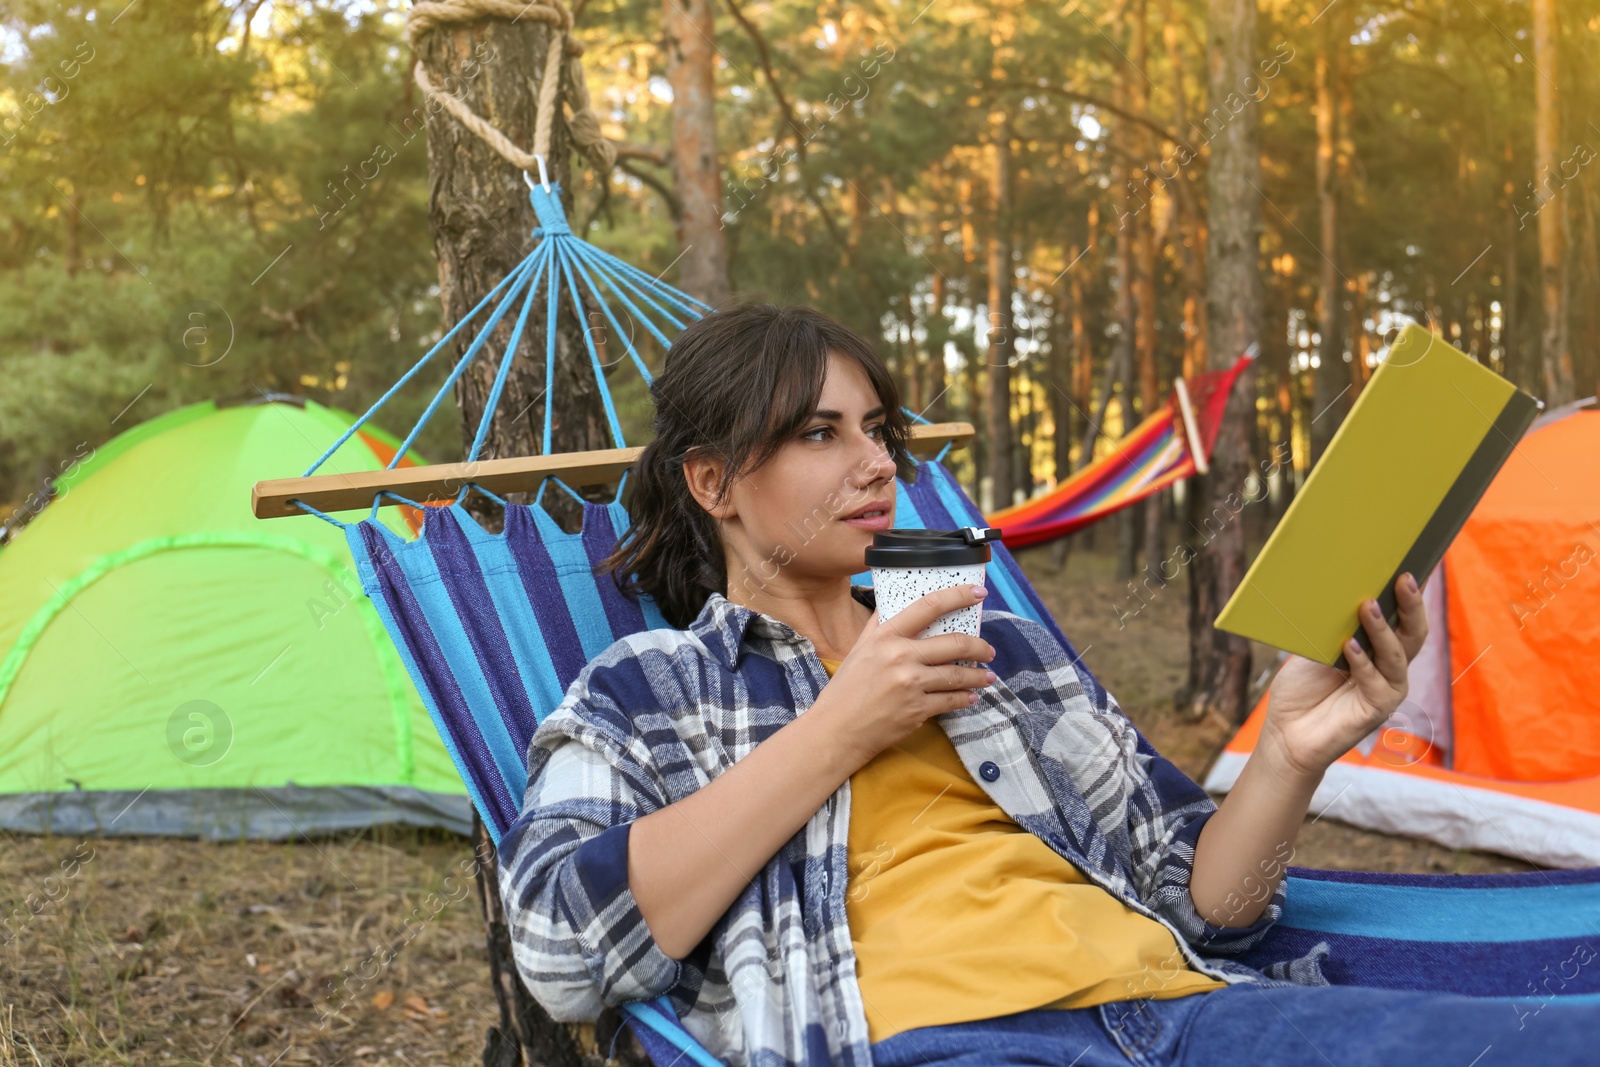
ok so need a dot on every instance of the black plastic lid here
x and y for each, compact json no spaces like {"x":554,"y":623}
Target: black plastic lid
{"x":968,"y":535}
{"x":931,"y":548}
{"x":927,"y":554}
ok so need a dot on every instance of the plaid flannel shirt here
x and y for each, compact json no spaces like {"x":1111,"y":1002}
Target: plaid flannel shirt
{"x":659,"y":714}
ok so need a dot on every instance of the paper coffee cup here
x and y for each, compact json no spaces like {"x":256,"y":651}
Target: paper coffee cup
{"x":909,"y":564}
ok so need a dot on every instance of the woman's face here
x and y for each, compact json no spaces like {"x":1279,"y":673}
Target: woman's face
{"x":798,"y":519}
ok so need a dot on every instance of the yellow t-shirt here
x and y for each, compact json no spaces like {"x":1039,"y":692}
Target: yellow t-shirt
{"x":957,"y":913}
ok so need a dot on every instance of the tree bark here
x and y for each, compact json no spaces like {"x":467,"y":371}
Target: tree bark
{"x":1002,"y":332}
{"x":910,"y":362}
{"x":1554,"y":358}
{"x":936,"y":387}
{"x":1219,"y":663}
{"x":1361,"y":341}
{"x":982,"y":484}
{"x":1128,"y":222}
{"x":1083,"y":347}
{"x":1144,"y":281}
{"x":1065,"y":359}
{"x":696,"y":167}
{"x":1191,"y":224}
{"x":1332,"y":395}
{"x":481,"y":221}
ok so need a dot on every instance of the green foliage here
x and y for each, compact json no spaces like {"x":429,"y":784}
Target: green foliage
{"x":193,"y":217}
{"x":176,"y":186}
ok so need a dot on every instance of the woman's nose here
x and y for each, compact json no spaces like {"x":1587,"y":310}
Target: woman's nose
{"x":876,"y":463}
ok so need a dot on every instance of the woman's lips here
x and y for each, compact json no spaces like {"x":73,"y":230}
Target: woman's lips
{"x":880,"y":521}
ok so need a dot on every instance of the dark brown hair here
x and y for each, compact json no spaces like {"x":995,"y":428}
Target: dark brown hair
{"x":738,"y":383}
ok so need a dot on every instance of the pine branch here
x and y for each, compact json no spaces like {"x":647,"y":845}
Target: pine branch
{"x":772,"y":78}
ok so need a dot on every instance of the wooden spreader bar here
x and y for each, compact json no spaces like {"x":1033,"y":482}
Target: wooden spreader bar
{"x":441,"y":482}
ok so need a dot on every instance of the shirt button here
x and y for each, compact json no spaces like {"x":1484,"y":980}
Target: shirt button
{"x":989,"y":771}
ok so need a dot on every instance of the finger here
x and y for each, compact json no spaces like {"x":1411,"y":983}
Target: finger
{"x":945,"y":675}
{"x":870,"y":628}
{"x":955,"y":700}
{"x":1387,"y":653}
{"x":1413,"y":615}
{"x":961,"y":678}
{"x":944,"y":648}
{"x":950,"y":675}
{"x":1363,"y":674}
{"x":921,"y":612}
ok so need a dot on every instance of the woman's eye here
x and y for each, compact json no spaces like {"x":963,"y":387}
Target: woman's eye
{"x":876,"y":430}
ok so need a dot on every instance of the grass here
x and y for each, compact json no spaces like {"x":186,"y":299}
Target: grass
{"x":352,"y":949}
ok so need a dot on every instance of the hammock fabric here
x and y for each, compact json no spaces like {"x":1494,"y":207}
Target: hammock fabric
{"x":494,"y":627}
{"x":1153,"y":455}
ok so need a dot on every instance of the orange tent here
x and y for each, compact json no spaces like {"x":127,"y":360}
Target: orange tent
{"x":1497,"y":745}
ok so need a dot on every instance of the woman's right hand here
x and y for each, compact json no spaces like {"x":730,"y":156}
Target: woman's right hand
{"x":892,"y":681}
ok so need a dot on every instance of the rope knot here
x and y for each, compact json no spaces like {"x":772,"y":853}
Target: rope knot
{"x":547,"y":206}
{"x":562,"y":55}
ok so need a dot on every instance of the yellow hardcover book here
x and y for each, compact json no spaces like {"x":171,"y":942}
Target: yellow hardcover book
{"x":1391,"y":491}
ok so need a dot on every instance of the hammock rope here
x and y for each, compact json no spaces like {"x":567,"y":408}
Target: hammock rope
{"x":564,"y":52}
{"x":561,"y":260}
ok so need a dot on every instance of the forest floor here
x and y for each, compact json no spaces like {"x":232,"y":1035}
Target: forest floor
{"x":355,"y":949}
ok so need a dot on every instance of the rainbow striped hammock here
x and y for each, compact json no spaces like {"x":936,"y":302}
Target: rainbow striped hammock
{"x":493,"y":628}
{"x":1172,"y":442}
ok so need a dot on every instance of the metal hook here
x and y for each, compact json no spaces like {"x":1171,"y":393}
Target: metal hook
{"x":544,"y":179}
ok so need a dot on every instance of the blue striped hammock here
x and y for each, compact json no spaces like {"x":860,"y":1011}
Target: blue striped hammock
{"x":493,"y":628}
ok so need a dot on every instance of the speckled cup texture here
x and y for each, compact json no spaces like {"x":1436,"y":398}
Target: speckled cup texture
{"x":898,"y":587}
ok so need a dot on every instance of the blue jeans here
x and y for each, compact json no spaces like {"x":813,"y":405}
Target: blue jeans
{"x":1242,"y":1024}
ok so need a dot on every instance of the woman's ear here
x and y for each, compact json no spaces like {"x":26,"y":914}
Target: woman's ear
{"x":703,"y":475}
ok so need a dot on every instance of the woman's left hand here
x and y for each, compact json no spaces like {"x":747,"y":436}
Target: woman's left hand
{"x":1317,"y":713}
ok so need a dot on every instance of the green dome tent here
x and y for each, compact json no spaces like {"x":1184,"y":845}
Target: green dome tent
{"x":169,"y":667}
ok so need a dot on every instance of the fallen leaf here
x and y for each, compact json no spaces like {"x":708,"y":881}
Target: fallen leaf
{"x":264,"y":968}
{"x":382,"y":1000}
{"x":415,"y":1002}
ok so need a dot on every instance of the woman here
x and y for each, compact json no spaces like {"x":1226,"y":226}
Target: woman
{"x":830,"y":844}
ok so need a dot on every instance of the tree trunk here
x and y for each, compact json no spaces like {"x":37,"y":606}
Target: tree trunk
{"x":1128,"y":221}
{"x":696,"y":167}
{"x":1361,"y":340}
{"x":1144,"y":281}
{"x":982,"y":484}
{"x":1026,"y":435}
{"x":1555,"y":361}
{"x":1065,"y":355}
{"x":1083,"y":349}
{"x":938,"y":334}
{"x":911,"y":376}
{"x":1332,"y":395}
{"x":1277,"y":365}
{"x":1191,"y":224}
{"x":1002,"y":332}
{"x":969,"y":240}
{"x":481,"y":221}
{"x":1219,"y":663}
